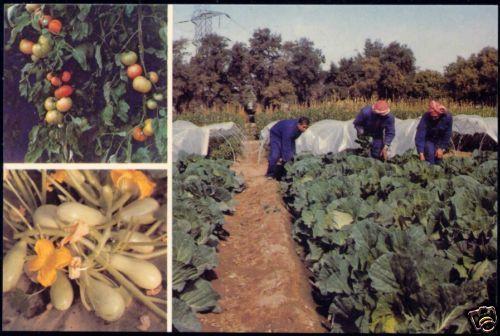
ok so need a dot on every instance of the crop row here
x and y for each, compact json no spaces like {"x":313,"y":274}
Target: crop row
{"x":400,"y":246}
{"x":203,"y":192}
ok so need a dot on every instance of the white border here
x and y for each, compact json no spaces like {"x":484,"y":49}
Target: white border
{"x":170,"y":24}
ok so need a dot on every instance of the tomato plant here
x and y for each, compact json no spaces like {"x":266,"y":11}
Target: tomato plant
{"x":80,"y":57}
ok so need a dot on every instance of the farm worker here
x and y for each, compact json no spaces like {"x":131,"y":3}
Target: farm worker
{"x":378,"y":122}
{"x":433,"y":133}
{"x":282,"y":141}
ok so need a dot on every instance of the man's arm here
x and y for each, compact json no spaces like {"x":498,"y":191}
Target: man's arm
{"x":359,"y":123}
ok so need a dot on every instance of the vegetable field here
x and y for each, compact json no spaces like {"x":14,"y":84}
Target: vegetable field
{"x":203,"y":191}
{"x":85,"y":83}
{"x":90,"y":243}
{"x":400,"y":246}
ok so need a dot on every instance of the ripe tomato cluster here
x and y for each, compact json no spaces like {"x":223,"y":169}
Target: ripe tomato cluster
{"x":44,"y":45}
{"x":61,"y":102}
{"x":143,"y":85}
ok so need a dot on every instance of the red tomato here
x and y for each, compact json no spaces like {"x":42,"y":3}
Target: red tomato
{"x":134,"y":71}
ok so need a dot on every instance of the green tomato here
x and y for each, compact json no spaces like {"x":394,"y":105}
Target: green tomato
{"x":39,"y":51}
{"x":45,"y":40}
{"x":158,"y":96}
{"x":128,"y":58}
{"x":151,"y":104}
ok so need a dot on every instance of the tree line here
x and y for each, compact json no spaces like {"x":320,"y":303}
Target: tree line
{"x":272,"y":72}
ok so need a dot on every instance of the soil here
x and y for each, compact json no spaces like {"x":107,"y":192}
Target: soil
{"x":261,"y":280}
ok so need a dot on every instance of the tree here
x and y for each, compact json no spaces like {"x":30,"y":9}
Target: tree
{"x":209,"y":70}
{"x":238,"y":74}
{"x":303,"y":66}
{"x":265,"y":48}
{"x":392,"y":83}
{"x":486,"y":64}
{"x":182,"y":88}
{"x":428,"y":84}
{"x":280,"y":89}
{"x":330,"y":80}
{"x":373,"y":49}
{"x":462,"y":79}
{"x":369,"y":75}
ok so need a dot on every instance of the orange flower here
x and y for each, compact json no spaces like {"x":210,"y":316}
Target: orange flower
{"x":133,"y":180}
{"x":59,"y":176}
{"x":47,"y":261}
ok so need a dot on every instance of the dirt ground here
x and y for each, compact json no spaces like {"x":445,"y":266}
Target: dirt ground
{"x":261,"y":279}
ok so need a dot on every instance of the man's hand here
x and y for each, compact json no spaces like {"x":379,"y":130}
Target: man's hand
{"x":421,"y":156}
{"x":280,"y":161}
{"x":359,"y":131}
{"x":439,"y":153}
{"x":384,"y":153}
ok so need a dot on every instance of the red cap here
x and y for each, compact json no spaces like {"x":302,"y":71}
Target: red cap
{"x":381,"y":107}
{"x":435,"y":108}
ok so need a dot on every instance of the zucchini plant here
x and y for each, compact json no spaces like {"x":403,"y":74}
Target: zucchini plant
{"x":103,"y":231}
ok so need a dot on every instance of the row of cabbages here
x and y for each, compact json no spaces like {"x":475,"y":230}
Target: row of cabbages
{"x":398,"y":246}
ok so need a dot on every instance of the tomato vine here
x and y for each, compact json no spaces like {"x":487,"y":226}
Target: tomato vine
{"x":105,"y":107}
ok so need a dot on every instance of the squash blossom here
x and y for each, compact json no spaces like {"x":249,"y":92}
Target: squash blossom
{"x":131,"y":180}
{"x":47,"y":261}
{"x":59,"y":176}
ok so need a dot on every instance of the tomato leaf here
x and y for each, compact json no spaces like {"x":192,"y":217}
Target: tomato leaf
{"x":98,"y":56}
{"x":123,"y":109}
{"x":141,"y":155}
{"x":79,"y":55}
{"x":107,"y":115}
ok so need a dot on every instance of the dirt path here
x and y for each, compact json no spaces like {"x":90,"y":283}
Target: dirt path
{"x":262,"y":282}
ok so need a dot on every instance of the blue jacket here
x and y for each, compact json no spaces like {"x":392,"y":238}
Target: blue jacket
{"x":375,"y":125}
{"x":287,"y":132}
{"x":437,"y":131}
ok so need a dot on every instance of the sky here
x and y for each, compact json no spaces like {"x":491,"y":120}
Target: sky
{"x":437,"y":34}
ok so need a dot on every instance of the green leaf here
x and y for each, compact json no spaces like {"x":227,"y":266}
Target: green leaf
{"x":200,"y":296}
{"x":21,"y":22}
{"x":107,"y":115}
{"x":141,"y":155}
{"x":163,"y":32}
{"x":183,"y":318}
{"x":129,"y":9}
{"x":98,"y":56}
{"x":160,"y":137}
{"x":123,"y":109}
{"x":84,"y":11}
{"x":79,"y":55}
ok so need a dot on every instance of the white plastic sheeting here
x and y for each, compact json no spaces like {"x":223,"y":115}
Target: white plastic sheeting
{"x":189,"y":138}
{"x":334,"y":136}
{"x":192,"y":139}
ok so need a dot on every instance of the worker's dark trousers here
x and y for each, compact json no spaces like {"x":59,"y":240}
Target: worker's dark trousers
{"x":430,"y":152}
{"x":377,"y":145}
{"x":274,"y":154}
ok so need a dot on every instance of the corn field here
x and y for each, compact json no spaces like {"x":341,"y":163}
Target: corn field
{"x":330,"y":109}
